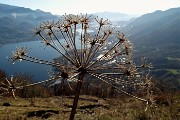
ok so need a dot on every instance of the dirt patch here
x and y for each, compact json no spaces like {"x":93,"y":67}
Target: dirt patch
{"x":93,"y":106}
{"x":6,"y":104}
{"x":42,"y":113}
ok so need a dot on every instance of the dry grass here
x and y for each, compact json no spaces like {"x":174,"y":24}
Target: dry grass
{"x":89,"y":108}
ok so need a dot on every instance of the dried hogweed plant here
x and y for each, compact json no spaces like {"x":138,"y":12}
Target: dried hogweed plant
{"x":9,"y":85}
{"x":91,"y":46}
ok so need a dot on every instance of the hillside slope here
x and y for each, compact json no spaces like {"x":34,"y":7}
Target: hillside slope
{"x":157,"y":36}
{"x":17,"y":23}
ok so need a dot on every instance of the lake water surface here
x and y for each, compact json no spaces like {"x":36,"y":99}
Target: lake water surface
{"x":37,"y":49}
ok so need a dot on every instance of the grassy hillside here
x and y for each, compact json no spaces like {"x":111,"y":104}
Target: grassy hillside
{"x":90,"y":108}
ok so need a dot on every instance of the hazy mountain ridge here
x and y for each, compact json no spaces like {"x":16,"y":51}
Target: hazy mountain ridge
{"x":8,"y":10}
{"x":165,"y":22}
{"x":17,"y":23}
{"x":157,"y":36}
{"x":149,"y":17}
{"x":114,"y":16}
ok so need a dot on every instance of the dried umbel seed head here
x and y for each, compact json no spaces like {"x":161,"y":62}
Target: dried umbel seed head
{"x":19,"y":53}
{"x":47,"y":25}
{"x":121,"y":37}
{"x":10,"y":85}
{"x":85,"y":19}
{"x":64,"y":75}
{"x":67,"y":46}
{"x":37,"y":31}
{"x":102,"y":22}
{"x":93,"y":42}
{"x":144,"y":63}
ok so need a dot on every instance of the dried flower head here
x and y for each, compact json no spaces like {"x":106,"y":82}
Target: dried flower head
{"x":98,"y":50}
{"x":10,"y":86}
{"x":19,"y":53}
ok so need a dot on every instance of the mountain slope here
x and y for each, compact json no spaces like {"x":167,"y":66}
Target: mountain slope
{"x":158,"y":27}
{"x":114,"y":16}
{"x":17,"y":23}
{"x":157,"y":36}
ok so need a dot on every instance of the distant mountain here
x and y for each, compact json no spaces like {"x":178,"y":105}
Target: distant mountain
{"x":17,"y":23}
{"x":114,"y":16}
{"x":157,"y":36}
{"x":25,"y":13}
{"x":157,"y":27}
{"x":124,"y":23}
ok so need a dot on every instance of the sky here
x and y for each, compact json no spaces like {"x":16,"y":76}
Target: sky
{"x":61,"y":7}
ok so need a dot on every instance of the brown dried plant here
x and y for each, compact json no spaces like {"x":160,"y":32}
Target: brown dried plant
{"x":91,"y":46}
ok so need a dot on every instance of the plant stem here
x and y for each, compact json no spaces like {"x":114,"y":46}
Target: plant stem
{"x":76,"y":98}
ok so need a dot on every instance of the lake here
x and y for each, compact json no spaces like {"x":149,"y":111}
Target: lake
{"x":37,"y":49}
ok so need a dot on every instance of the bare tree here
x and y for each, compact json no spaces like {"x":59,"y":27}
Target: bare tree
{"x":91,"y":46}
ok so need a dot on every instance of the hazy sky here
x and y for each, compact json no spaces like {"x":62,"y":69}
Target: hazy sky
{"x":90,"y":6}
